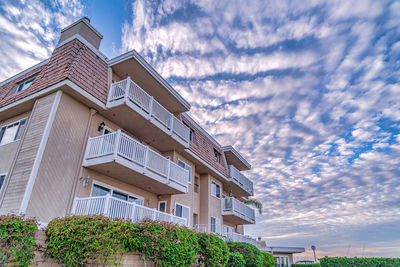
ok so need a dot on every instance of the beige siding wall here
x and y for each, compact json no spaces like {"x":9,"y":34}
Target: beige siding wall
{"x":56,"y":175}
{"x":149,"y":198}
{"x":18,"y":177}
{"x":9,"y":151}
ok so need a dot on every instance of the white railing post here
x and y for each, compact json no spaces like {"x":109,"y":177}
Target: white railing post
{"x":146,"y":159}
{"x":154,"y":215}
{"x":116,"y":143}
{"x":169,"y":171}
{"x":151,"y":106}
{"x":172,"y":123}
{"x":73,"y":210}
{"x":127,"y":87}
{"x":106,"y":205}
{"x":133,"y":211}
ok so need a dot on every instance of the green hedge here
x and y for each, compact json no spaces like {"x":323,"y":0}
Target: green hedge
{"x":359,"y":262}
{"x":81,"y":240}
{"x":17,"y":240}
{"x":306,"y":265}
{"x":236,"y":260}
{"x":252,"y":255}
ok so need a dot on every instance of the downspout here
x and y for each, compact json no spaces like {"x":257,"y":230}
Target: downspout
{"x":79,"y":169}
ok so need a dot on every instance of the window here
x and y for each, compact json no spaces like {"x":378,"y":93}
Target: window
{"x":215,"y":189}
{"x":196,"y":184}
{"x":2,"y":179}
{"x":191,"y":133}
{"x":12,"y":132}
{"x":228,"y":230}
{"x":217,"y":156}
{"x":215,"y":225}
{"x":162,"y":206}
{"x":187,"y":167}
{"x":195,"y":220}
{"x":25,"y":84}
{"x":100,"y":190}
{"x":281,"y":261}
{"x":182,"y":211}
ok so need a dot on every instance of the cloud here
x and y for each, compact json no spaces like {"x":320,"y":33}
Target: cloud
{"x":308,"y":92}
{"x":29,"y":31}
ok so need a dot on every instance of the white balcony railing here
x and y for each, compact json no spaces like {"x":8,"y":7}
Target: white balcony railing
{"x":232,"y":206}
{"x":241,"y":180}
{"x":235,"y":237}
{"x":120,"y":144}
{"x":129,"y":90}
{"x":116,"y":208}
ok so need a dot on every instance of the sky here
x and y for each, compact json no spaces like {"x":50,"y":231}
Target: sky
{"x":307,"y":91}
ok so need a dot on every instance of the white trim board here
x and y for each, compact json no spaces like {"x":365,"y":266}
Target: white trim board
{"x":39,"y":154}
{"x":113,"y":188}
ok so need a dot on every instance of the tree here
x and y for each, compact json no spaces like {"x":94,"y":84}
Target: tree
{"x":255,"y":203}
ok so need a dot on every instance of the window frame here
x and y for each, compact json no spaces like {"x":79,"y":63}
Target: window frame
{"x":190,"y":171}
{"x":18,"y":122}
{"x":188,"y":219}
{"x":158,"y":206}
{"x":192,"y":136}
{"x":4,"y":181}
{"x":217,"y":156}
{"x":280,"y":263}
{"x":112,"y":189}
{"x":217,"y":222}
{"x":21,"y":84}
{"x":196,"y":185}
{"x":211,"y":191}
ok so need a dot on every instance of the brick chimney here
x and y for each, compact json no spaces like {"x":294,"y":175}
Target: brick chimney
{"x":84,"y":29}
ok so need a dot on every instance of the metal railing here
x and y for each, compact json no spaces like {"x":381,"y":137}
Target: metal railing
{"x":232,"y":205}
{"x":121,"y":209}
{"x":121,"y":144}
{"x":241,"y":180}
{"x":129,"y":90}
{"x":235,"y":237}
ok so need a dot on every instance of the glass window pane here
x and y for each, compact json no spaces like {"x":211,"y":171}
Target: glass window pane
{"x":9,"y":134}
{"x":187,"y":167}
{"x":20,"y":129}
{"x":2,"y":178}
{"x":178,"y":210}
{"x":162,"y":206}
{"x":119,"y":195}
{"x":181,"y":163}
{"x":98,"y":191}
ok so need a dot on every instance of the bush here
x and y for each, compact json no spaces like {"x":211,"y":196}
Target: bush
{"x":17,"y":240}
{"x":236,"y":260}
{"x":165,"y":243}
{"x":213,"y":251}
{"x":79,"y":240}
{"x":269,"y":260}
{"x":251,"y":254}
{"x":359,"y":262}
{"x":306,"y":265}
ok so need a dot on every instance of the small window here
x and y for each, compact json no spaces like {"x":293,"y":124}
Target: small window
{"x":12,"y":132}
{"x":217,"y":156}
{"x":25,"y":84}
{"x":187,"y":167}
{"x":2,"y":179}
{"x":196,"y":184}
{"x":182,"y":211}
{"x":215,"y":225}
{"x":215,"y":189}
{"x":191,"y":134}
{"x":162,"y":206}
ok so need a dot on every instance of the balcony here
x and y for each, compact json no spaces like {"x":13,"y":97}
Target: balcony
{"x":240,"y":184}
{"x":119,"y":155}
{"x":237,"y":212}
{"x":116,"y":208}
{"x":135,"y":110}
{"x":235,"y":237}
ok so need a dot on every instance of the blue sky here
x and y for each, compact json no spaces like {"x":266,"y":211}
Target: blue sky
{"x":307,"y":91}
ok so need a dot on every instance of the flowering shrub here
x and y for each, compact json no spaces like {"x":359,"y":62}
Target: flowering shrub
{"x":213,"y":250}
{"x":269,"y":260}
{"x":17,"y":240}
{"x":236,"y":260}
{"x":81,"y":240}
{"x":251,"y":254}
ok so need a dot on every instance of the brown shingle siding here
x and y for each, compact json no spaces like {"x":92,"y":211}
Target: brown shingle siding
{"x":203,"y":147}
{"x":73,"y":61}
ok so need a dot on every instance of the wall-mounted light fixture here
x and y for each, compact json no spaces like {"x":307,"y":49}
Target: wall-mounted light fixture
{"x":101,"y":126}
{"x":86,"y":181}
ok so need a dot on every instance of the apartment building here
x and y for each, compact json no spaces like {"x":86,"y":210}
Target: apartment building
{"x":83,"y":134}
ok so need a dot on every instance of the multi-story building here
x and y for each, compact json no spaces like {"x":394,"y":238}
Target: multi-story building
{"x":83,"y":134}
